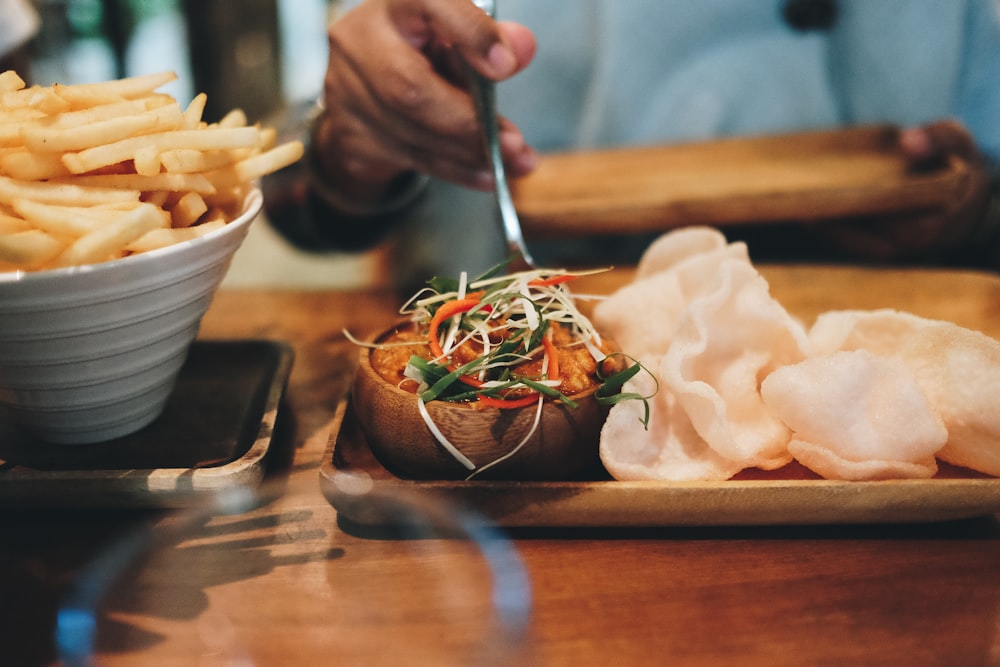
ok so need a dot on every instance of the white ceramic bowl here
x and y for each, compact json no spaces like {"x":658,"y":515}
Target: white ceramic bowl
{"x":91,"y":353}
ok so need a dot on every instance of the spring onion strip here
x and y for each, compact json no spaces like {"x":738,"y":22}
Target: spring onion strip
{"x":595,"y":352}
{"x":531,"y":275}
{"x":451,"y":334}
{"x":439,"y":436}
{"x":550,"y":391}
{"x":361,"y":343}
{"x":612,"y":390}
{"x":534,"y":427}
{"x":411,"y":372}
{"x":530,"y":314}
{"x":435,"y":389}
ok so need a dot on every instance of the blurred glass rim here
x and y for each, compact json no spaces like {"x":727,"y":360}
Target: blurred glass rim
{"x":390,"y":513}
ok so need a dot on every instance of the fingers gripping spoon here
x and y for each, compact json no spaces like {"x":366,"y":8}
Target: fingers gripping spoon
{"x":484,"y":96}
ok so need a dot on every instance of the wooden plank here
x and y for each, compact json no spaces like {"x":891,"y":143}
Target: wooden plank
{"x":783,"y":178}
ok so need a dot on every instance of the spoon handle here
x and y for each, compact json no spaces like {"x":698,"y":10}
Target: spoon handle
{"x":484,"y":97}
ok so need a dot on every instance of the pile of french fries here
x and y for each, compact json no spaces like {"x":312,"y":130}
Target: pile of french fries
{"x":94,"y":172}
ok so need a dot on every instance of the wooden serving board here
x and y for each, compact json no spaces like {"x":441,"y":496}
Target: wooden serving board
{"x":792,"y":495}
{"x":784,"y":178}
{"x":214,"y":433}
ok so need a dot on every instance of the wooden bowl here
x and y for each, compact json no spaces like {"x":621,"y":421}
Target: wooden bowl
{"x":564,"y":444}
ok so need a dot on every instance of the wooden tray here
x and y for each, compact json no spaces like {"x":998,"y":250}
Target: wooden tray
{"x":214,"y":433}
{"x":791,"y":496}
{"x":793,"y":177}
{"x":785,"y":497}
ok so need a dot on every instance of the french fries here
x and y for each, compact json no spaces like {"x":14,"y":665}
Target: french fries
{"x":94,"y":172}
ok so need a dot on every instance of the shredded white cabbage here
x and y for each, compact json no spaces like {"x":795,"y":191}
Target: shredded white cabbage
{"x":511,"y":308}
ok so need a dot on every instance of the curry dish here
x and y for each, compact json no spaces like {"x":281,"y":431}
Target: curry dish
{"x":577,"y":366}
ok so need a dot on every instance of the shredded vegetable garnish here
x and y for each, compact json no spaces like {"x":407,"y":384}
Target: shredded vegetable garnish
{"x":496,"y":340}
{"x":492,"y":326}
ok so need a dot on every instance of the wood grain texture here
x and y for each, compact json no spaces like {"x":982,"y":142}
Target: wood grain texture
{"x":267,"y":581}
{"x":785,"y":178}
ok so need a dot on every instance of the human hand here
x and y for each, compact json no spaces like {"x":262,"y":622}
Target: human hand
{"x":395,"y":102}
{"x":928,"y":235}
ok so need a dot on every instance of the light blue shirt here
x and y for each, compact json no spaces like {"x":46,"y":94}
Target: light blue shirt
{"x":627,"y":72}
{"x":612,"y":72}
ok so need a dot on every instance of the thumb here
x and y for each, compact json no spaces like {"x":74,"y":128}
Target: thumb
{"x":465,"y":29}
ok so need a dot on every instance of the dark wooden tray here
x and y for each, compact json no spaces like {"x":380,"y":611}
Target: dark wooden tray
{"x":790,"y":496}
{"x":809,"y":176}
{"x":214,"y":433}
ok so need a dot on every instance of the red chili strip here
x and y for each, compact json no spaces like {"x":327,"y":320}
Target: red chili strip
{"x":553,"y":374}
{"x":554,"y":280}
{"x":443,"y":312}
{"x":508,"y":404}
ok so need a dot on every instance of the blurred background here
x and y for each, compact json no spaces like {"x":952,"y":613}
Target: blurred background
{"x":253,"y":54}
{"x":267,"y":57}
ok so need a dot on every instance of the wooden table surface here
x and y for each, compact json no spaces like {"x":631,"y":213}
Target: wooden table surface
{"x":285,"y":584}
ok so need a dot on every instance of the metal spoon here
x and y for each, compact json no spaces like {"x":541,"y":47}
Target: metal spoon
{"x":484,"y":96}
